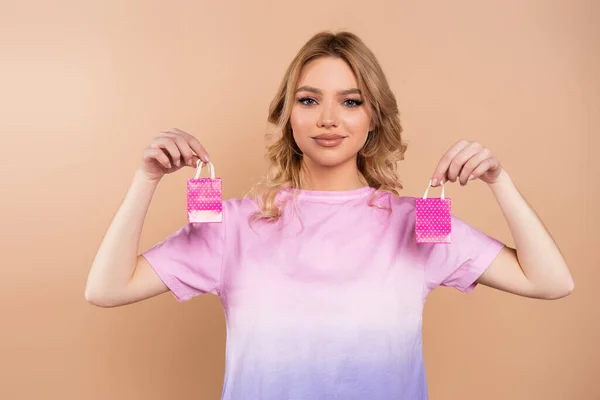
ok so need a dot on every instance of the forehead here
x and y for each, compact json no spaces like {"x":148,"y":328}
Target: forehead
{"x":328,"y":74}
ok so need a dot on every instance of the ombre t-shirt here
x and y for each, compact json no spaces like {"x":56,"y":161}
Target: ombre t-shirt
{"x":327,"y":302}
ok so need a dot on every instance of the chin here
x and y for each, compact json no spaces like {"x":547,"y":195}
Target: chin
{"x":329,"y":160}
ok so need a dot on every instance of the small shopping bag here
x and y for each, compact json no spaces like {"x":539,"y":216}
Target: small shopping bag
{"x":433,"y":218}
{"x":204,"y":197}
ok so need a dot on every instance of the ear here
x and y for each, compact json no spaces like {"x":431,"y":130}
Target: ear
{"x":372,"y":126}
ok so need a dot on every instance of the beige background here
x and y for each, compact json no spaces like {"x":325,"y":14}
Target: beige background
{"x":86,"y":85}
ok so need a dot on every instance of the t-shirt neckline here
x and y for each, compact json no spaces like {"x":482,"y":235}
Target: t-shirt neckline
{"x":330,"y":194}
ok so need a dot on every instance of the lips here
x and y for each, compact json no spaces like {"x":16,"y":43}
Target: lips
{"x":329,"y":136}
{"x":329,"y":140}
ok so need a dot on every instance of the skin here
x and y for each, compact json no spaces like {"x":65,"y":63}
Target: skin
{"x":534,"y":268}
{"x":321,"y":107}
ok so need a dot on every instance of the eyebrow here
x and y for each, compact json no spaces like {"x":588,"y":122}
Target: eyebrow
{"x":319,"y":92}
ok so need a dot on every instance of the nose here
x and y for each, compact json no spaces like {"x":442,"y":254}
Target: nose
{"x":328,"y":118}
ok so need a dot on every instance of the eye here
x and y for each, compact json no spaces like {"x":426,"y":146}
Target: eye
{"x":354,"y":103}
{"x":303,"y":100}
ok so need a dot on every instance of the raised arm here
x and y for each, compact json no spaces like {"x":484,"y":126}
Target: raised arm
{"x":119,"y":275}
{"x":536,"y":267}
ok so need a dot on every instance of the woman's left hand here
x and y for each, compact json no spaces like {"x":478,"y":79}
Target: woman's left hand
{"x":466,"y":161}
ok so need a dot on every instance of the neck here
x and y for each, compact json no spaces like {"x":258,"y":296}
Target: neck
{"x":335,"y":178}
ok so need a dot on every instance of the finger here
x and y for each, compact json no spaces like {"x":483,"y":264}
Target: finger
{"x":154,"y":153}
{"x":198,"y":148}
{"x":169,"y":145}
{"x":440,"y":171}
{"x":471,"y":164}
{"x":483,"y":167}
{"x":194,"y":162}
{"x":175,"y":131}
{"x":195,"y":145}
{"x":169,"y":148}
{"x":460,"y":159}
{"x":187,"y":155}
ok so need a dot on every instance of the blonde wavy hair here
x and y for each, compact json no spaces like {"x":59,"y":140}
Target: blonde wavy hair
{"x":376,"y":161}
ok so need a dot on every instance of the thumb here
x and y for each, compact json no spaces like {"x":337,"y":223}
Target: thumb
{"x":194,"y":162}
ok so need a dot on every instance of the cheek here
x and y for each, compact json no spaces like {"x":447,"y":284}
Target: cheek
{"x":357,"y":122}
{"x":302,"y":120}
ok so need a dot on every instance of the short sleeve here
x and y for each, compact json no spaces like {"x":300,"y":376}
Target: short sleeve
{"x":460,"y":263}
{"x":189,"y":261}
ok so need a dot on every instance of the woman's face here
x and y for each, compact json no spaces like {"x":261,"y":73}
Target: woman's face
{"x":330,"y":120}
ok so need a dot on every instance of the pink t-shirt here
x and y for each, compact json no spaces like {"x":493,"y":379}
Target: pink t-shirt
{"x":327,"y":302}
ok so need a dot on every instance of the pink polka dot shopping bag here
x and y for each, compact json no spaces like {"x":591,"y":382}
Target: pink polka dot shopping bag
{"x":204,"y":197}
{"x":433,"y":218}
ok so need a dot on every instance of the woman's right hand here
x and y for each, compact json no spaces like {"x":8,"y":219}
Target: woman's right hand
{"x":169,"y":152}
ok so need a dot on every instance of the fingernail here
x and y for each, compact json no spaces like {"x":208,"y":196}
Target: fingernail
{"x":433,"y":182}
{"x":205,"y":157}
{"x":471,"y":177}
{"x":177,"y":163}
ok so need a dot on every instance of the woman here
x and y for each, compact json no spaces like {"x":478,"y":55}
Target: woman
{"x":319,"y":273}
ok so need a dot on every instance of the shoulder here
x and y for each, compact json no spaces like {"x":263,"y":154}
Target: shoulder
{"x":402,"y":203}
{"x":396,"y":212}
{"x":400,"y":206}
{"x":238,"y":208}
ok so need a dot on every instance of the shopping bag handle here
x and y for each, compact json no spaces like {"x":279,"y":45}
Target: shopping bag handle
{"x":200,"y":164}
{"x":427,"y":190}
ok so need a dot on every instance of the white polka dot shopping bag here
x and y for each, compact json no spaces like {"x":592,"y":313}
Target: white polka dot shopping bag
{"x":204,"y":197}
{"x":433,"y":218}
